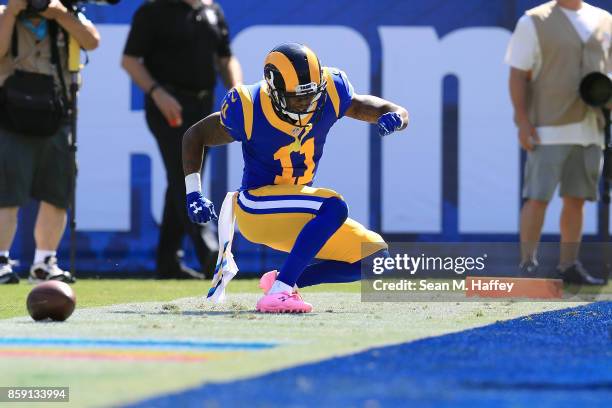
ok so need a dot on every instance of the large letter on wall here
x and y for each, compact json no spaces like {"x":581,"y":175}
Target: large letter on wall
{"x":345,"y":163}
{"x":412,"y":71}
{"x":489,"y":174}
{"x":415,"y":62}
{"x":109,"y":133}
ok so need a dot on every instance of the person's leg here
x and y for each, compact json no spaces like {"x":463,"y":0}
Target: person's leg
{"x":571,"y":222}
{"x":328,"y":219}
{"x":334,"y":271}
{"x":204,"y":241}
{"x":276,"y":215}
{"x":52,"y":187}
{"x":305,"y":222}
{"x":532,"y":220}
{"x":326,"y":272}
{"x":170,"y":239}
{"x":176,"y":205}
{"x":8,"y":227}
{"x":171,"y":230}
{"x":176,"y":223}
{"x":17,"y":163}
{"x":49,"y":228}
{"x":48,"y":231}
{"x":580,"y":182}
{"x":542,"y":175}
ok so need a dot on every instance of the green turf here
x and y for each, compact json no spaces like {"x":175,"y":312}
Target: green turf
{"x":96,"y":292}
{"x":341,"y":324}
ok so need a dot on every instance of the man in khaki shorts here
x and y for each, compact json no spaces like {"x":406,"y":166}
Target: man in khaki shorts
{"x":552,"y":48}
{"x":36,"y":164}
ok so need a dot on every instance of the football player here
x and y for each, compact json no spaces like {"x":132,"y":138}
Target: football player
{"x":282,"y":123}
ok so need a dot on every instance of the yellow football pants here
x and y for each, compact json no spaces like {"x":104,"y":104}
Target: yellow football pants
{"x":275,"y":215}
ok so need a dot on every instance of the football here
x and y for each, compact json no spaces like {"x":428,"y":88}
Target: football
{"x":51,"y":300}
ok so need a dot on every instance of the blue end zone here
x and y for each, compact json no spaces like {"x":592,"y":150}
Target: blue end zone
{"x":561,"y":358}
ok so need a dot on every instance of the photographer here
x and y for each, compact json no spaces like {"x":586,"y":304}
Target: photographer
{"x":171,"y":53}
{"x":553,"y":47}
{"x":35,"y":160}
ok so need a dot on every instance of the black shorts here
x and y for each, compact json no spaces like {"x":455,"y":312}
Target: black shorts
{"x":37,"y":168}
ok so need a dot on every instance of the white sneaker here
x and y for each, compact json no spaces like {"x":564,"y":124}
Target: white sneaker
{"x":48,"y":270}
{"x":6,"y":271}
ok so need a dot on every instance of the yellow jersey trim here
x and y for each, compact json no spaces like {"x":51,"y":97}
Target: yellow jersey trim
{"x":332,"y":91}
{"x":247,"y":109}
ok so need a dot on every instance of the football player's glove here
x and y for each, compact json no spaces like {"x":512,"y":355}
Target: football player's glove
{"x":389,"y":123}
{"x":199,"y":209}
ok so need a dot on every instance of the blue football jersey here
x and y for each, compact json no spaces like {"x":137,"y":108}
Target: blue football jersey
{"x":274,"y":151}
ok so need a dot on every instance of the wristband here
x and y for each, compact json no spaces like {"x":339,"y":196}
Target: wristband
{"x":152,"y":89}
{"x":193,"y":183}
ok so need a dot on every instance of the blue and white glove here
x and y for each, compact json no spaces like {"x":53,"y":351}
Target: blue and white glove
{"x":389,"y":123}
{"x":199,"y":209}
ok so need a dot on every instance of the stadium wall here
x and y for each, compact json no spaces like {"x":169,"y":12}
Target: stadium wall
{"x":455,"y":175}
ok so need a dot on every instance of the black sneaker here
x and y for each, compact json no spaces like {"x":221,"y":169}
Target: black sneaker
{"x":185,"y":272}
{"x":529,"y":269}
{"x":177,"y":269}
{"x":48,"y":270}
{"x":7,"y":275}
{"x":577,"y":274}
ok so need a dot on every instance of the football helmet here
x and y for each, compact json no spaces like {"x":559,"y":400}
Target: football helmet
{"x":295,"y":82}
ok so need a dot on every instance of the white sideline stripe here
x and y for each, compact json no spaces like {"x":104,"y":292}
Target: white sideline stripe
{"x":272,"y":204}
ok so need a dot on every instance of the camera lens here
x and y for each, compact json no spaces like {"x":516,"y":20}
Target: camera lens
{"x":596,"y":89}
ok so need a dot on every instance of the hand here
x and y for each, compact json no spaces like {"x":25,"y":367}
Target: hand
{"x":528,"y":136}
{"x":169,"y":107}
{"x":199,"y":209}
{"x":16,"y":6}
{"x":55,"y":10}
{"x":389,"y":123}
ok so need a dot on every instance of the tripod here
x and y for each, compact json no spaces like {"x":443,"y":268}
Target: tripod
{"x":74,"y":67}
{"x":604,"y":208}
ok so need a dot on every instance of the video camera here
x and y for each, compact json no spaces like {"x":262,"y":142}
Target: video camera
{"x":38,"y":6}
{"x":596,"y":89}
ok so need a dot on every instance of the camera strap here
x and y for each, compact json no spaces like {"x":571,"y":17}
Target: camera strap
{"x":55,"y":57}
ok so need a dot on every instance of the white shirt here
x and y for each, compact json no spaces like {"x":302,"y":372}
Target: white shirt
{"x":524,"y":53}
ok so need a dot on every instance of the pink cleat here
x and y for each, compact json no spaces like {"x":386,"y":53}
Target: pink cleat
{"x":267,"y":280}
{"x":283,"y":302}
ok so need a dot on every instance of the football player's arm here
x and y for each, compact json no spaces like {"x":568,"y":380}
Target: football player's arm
{"x":207,"y":132}
{"x":371,"y":109}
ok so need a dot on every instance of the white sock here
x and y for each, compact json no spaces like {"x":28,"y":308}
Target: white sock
{"x":4,"y":253}
{"x":279,"y":287}
{"x":41,"y":254}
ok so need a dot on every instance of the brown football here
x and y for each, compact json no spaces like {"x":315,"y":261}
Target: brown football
{"x":51,"y":300}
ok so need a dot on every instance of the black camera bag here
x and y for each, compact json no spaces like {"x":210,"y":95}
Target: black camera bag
{"x":32,"y":103}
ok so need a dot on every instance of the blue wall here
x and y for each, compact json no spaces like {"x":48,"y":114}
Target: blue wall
{"x":131,"y":251}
